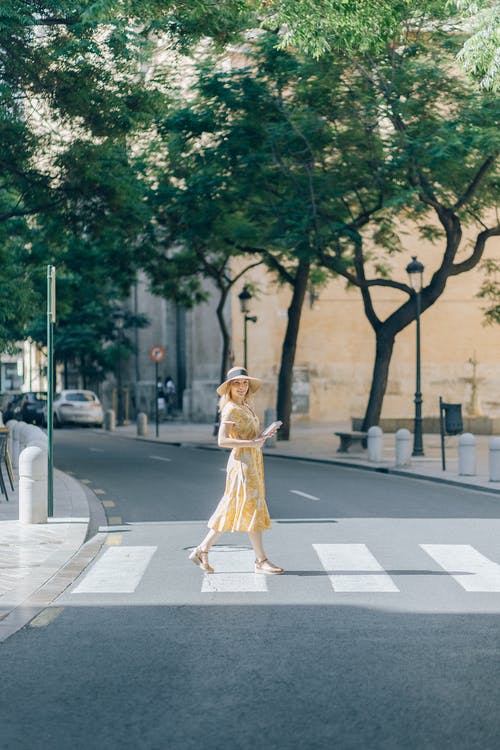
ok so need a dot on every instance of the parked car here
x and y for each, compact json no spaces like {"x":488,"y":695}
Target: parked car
{"x":77,"y":407}
{"x":26,"y":407}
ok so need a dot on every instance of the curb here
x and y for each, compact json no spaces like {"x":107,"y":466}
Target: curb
{"x":42,"y":597}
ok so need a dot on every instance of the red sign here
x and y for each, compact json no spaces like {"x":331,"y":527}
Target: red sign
{"x":157,"y":353}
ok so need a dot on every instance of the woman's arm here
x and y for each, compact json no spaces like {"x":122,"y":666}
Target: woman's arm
{"x":228,"y":442}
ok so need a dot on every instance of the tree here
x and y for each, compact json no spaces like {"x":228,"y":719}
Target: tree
{"x":442,"y":138}
{"x":70,"y":193}
{"x":263,"y":149}
{"x":480,"y":54}
{"x":351,"y":27}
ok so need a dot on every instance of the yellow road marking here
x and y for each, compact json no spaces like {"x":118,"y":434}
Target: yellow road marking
{"x":99,"y":492}
{"x":115,"y":520}
{"x":108,"y":503}
{"x":86,"y":481}
{"x":114,"y":539}
{"x":46,"y":617}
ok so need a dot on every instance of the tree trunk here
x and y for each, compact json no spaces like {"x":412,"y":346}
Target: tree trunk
{"x":285,"y":378}
{"x":383,"y":354}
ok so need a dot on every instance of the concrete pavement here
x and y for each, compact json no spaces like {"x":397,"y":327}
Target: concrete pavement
{"x":38,"y":562}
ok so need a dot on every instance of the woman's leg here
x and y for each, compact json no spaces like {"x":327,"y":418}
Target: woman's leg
{"x":209,"y":540}
{"x":200,"y":553}
{"x":256,"y":542}
{"x":262,"y":564}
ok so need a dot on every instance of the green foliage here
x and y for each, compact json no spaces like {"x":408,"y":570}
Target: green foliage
{"x":490,"y":291}
{"x":317,"y":27}
{"x":480,"y":54}
{"x":70,"y":192}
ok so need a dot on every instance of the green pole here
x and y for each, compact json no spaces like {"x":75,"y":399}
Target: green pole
{"x":51,"y":316}
{"x":156,"y":399}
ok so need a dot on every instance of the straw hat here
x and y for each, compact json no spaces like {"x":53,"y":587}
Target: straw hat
{"x":237,"y":373}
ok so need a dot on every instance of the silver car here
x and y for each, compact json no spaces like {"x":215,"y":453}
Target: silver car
{"x":77,"y":407}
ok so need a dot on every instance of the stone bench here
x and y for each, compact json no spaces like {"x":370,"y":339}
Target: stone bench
{"x":351,"y":439}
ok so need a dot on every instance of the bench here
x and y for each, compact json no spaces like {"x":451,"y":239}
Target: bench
{"x":350,"y":439}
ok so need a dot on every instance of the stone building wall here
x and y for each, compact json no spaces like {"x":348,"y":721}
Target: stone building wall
{"x":336,"y":346}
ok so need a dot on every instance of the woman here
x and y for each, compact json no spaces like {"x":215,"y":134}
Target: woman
{"x":243,"y":506}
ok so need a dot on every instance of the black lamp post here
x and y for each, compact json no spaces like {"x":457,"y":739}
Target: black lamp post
{"x":415,"y":271}
{"x":245,"y":296}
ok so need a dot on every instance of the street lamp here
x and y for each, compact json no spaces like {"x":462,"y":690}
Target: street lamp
{"x":244,"y":297}
{"x":119,"y":323}
{"x":415,"y":271}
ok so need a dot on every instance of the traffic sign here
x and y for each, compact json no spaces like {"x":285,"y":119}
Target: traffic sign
{"x":157,"y":353}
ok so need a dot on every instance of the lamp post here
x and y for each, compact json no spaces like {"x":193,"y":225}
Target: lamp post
{"x":244,"y":297}
{"x":119,"y":402}
{"x":415,"y":271}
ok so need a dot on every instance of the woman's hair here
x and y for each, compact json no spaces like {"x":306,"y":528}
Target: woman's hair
{"x":226,"y":398}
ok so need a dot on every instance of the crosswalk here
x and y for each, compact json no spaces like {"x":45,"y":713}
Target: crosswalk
{"x":350,"y":568}
{"x":353,"y":568}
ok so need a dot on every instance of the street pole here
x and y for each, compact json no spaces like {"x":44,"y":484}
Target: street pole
{"x":51,"y":317}
{"x":252,"y":319}
{"x":418,"y":449}
{"x":245,"y":318}
{"x":156,"y":400}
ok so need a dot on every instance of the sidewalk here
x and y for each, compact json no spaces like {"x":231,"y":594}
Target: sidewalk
{"x":317,"y":442}
{"x":33,"y":558}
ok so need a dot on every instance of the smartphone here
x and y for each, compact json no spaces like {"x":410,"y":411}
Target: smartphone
{"x":270,"y":428}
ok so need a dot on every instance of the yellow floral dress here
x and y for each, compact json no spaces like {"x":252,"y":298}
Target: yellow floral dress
{"x":243,"y":506}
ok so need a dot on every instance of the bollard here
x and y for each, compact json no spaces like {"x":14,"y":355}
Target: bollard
{"x":467,"y":455}
{"x":33,"y":485}
{"x":403,"y":447}
{"x":14,"y":451}
{"x":269,"y":418}
{"x":375,"y":444}
{"x":32,"y":435}
{"x":494,"y":459}
{"x":142,"y":424}
{"x":110,"y":420}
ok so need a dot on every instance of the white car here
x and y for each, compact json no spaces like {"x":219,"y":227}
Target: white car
{"x":77,"y":407}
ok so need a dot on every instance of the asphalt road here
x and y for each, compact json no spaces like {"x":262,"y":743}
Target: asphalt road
{"x":384,"y":632}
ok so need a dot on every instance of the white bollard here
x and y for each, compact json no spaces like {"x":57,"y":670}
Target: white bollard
{"x":142,"y":424}
{"x":467,"y":455}
{"x":33,"y":485}
{"x":32,"y":435}
{"x":269,"y":418}
{"x":494,"y":459}
{"x":110,"y":420}
{"x":375,"y":435}
{"x":403,"y":447}
{"x":14,"y":451}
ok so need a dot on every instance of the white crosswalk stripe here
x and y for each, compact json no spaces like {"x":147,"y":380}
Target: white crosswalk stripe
{"x":472,"y":570}
{"x":234,"y":572}
{"x":349,"y":568}
{"x":352,"y":568}
{"x":118,"y":571}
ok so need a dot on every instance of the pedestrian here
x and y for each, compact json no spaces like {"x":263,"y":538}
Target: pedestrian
{"x":160,"y":395}
{"x":169,"y":395}
{"x":243,"y":506}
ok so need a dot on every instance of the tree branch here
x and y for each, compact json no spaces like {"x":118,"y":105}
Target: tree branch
{"x":477,"y":253}
{"x":474,"y":184}
{"x":267,"y":258}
